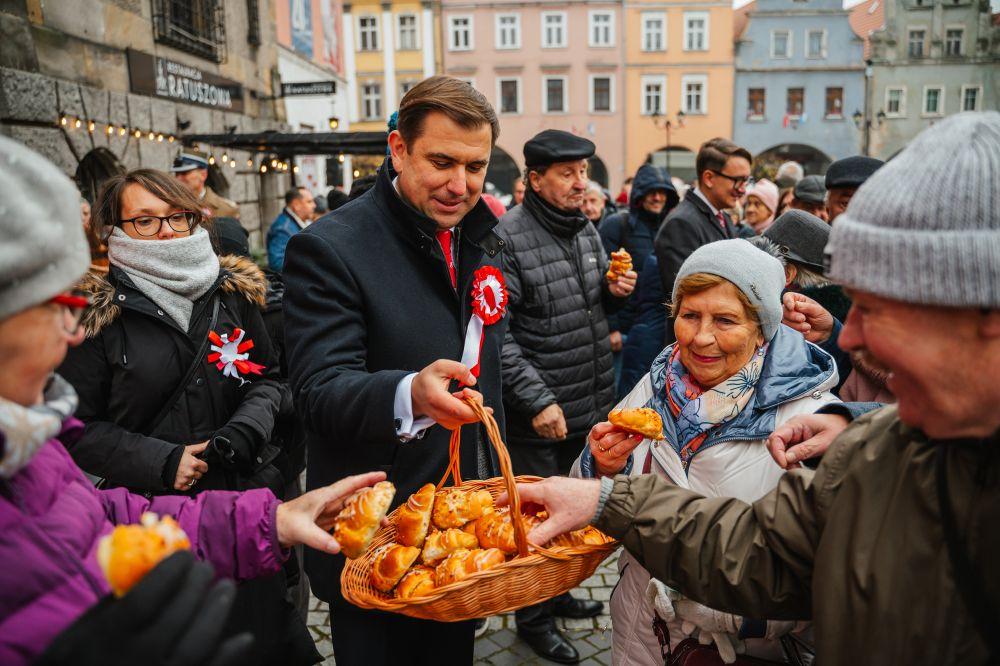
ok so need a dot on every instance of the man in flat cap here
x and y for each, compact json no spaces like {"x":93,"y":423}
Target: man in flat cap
{"x":810,"y":195}
{"x":843,"y":179}
{"x":556,"y":368}
{"x":191,"y":169}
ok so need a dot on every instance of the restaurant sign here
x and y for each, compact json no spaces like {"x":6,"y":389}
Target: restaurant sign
{"x":166,"y":78}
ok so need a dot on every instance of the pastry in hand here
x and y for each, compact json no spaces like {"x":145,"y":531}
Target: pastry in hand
{"x":131,"y":551}
{"x":642,"y":421}
{"x":390,"y":563}
{"x":413,"y":518}
{"x":355,"y":526}
{"x":621,"y":263}
{"x":417,"y":582}
{"x":454,"y":507}
{"x":496,"y":531}
{"x":440,"y":544}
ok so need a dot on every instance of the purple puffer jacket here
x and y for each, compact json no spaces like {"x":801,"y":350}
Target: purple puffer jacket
{"x":51,"y":518}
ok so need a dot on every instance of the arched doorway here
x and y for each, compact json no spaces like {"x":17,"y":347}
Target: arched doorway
{"x":598,"y":171}
{"x":501,"y":173}
{"x":813,"y":160}
{"x":677,"y":160}
{"x":96,"y":167}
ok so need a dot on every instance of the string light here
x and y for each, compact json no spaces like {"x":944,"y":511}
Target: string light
{"x":225,"y":157}
{"x":274,"y":163}
{"x":77,"y":123}
{"x":232,"y":164}
{"x":211,"y":159}
{"x":263,"y":168}
{"x":110,"y":130}
{"x":340,"y":158}
{"x":121,"y":131}
{"x":357,"y":174}
{"x":170,"y":139}
{"x":159,"y":138}
{"x":250,"y":163}
{"x":64,"y":121}
{"x":137,"y":134}
{"x":151,"y":136}
{"x":295,"y":169}
{"x":91,"y":126}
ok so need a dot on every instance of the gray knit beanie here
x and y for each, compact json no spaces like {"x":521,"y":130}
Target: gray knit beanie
{"x":925,"y":228}
{"x":753,"y":271}
{"x":43,"y":250}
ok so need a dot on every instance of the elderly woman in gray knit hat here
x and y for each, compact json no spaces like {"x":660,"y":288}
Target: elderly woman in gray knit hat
{"x":891,"y":545}
{"x":733,"y":374}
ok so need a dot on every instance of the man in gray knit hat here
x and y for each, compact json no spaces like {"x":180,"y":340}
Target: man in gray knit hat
{"x":891,"y":545}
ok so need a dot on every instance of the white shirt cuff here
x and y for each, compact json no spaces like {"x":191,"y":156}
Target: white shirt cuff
{"x":407,"y":427}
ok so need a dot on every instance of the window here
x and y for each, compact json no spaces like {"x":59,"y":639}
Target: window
{"x":933,"y":101}
{"x":371,"y":101}
{"x":406,"y":32}
{"x":602,"y":92}
{"x":781,"y":43}
{"x":460,"y":33}
{"x":368,"y":33}
{"x":756,"y":103}
{"x":508,"y":31}
{"x":895,"y":102}
{"x":404,"y":87}
{"x":509,"y":94}
{"x":834,"y":103}
{"x":602,"y":29}
{"x":654,"y":31}
{"x":553,"y":30}
{"x":916,"y":43}
{"x":970,"y":97}
{"x":816,"y":44}
{"x":695,"y":90}
{"x":194,"y":26}
{"x":795,"y":101}
{"x":953,"y":41}
{"x":695,"y":31}
{"x":554,"y":94}
{"x":654,"y":95}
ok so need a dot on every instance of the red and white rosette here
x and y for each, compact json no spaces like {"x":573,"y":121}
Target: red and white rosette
{"x":230,"y":354}
{"x":489,"y":303}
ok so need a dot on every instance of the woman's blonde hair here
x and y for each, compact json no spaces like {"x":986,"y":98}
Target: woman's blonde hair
{"x":699,"y":282}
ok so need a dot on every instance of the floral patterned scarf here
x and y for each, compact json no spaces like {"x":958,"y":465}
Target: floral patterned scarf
{"x":696,"y":410}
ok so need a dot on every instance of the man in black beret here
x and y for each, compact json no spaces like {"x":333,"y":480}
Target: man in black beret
{"x":843,"y":179}
{"x":810,"y":195}
{"x":556,"y":367}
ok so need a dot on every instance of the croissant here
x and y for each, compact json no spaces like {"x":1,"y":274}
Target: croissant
{"x":588,"y":536}
{"x":439,"y":544}
{"x":390,"y":563}
{"x":355,"y":526}
{"x":455,"y":508}
{"x":621,"y":263}
{"x":130,"y":551}
{"x":642,"y":421}
{"x":482,"y":559}
{"x":463,"y":562}
{"x":413,"y":518}
{"x":416,"y":582}
{"x":496,"y":531}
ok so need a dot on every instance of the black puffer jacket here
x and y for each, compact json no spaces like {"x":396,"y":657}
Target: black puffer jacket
{"x":556,"y":349}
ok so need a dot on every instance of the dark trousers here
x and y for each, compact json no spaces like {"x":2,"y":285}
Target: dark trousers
{"x":543,"y":460}
{"x":374,"y":638}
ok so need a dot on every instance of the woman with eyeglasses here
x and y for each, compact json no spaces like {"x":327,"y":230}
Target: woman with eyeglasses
{"x":176,"y":376}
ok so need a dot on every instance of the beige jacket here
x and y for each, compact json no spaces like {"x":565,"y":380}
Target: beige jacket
{"x":858,"y":545}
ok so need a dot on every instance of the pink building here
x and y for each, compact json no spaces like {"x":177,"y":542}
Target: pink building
{"x":550,"y":66}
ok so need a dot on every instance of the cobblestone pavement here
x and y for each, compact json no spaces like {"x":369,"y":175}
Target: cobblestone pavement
{"x":500,"y":646}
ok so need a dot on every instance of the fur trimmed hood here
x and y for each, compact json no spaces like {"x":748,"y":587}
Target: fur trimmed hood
{"x":240,"y":276}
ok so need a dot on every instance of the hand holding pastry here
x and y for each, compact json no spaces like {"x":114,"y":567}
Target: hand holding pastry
{"x":641,"y":421}
{"x":621,"y":263}
{"x":131,"y":551}
{"x":611,"y":446}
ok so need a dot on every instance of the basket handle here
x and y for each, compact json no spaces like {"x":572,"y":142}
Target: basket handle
{"x":506,"y":469}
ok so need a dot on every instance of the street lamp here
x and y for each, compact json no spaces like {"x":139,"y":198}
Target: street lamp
{"x":866,"y":124}
{"x":663,"y":121}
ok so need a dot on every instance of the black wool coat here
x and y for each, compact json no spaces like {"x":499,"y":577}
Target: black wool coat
{"x":368,"y":300}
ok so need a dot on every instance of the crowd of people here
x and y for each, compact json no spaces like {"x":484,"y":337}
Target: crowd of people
{"x":823,"y":351}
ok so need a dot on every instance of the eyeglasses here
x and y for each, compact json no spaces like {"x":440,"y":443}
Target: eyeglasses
{"x":74,"y":304}
{"x":738,"y":183}
{"x":150,"y":225}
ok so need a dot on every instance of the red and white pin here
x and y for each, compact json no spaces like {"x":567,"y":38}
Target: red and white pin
{"x":489,"y":303}
{"x":230,"y":354}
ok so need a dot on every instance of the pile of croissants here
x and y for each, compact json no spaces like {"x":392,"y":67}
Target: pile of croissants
{"x":442,"y":536}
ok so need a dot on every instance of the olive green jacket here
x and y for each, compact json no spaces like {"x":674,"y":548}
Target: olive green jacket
{"x":857,"y":545}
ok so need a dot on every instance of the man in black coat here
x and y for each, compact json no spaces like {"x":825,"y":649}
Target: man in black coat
{"x":377,"y":303}
{"x":723,"y":170}
{"x":558,"y":380}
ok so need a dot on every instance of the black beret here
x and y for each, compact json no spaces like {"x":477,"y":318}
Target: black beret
{"x":810,"y":189}
{"x":851,"y":171}
{"x":801,"y":236}
{"x":551,"y":146}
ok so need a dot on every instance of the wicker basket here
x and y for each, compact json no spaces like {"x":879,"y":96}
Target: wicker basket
{"x":529,"y":578}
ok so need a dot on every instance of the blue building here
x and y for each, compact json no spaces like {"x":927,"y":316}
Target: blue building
{"x":799,"y":80}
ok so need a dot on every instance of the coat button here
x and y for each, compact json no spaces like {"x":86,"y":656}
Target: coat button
{"x":816,"y":395}
{"x":200,"y":381}
{"x":121,"y":297}
{"x":159,"y":312}
{"x":259,"y":459}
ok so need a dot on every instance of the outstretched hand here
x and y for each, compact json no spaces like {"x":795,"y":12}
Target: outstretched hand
{"x":570,"y":503}
{"x":308,"y":519}
{"x":803,"y":437}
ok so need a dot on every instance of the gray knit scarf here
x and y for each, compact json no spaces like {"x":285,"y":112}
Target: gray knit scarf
{"x":172,"y":273}
{"x":25,"y":430}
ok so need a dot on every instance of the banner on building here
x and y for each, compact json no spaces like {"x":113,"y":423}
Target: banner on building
{"x":300,"y":12}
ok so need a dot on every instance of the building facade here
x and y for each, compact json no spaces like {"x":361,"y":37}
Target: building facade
{"x":542,"y":66}
{"x":933,"y":59}
{"x":678,"y":80}
{"x":799,"y":80}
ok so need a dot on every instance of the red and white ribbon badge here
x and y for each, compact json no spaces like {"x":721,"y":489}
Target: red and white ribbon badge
{"x":489,"y":303}
{"x":230,"y":354}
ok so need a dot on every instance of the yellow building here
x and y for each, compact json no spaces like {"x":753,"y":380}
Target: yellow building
{"x":678,"y":80}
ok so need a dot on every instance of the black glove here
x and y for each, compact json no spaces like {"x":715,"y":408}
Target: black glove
{"x":172,"y":616}
{"x":234,"y":448}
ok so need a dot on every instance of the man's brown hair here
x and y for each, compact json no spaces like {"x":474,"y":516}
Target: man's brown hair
{"x":714,"y":153}
{"x":458,"y":100}
{"x":108,"y":206}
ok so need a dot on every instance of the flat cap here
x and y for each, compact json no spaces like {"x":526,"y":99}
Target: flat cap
{"x":551,"y":146}
{"x":851,"y":171}
{"x":810,"y":189}
{"x":801,"y":237}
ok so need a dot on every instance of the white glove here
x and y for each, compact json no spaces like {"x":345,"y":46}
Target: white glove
{"x":710,"y":626}
{"x":660,"y":598}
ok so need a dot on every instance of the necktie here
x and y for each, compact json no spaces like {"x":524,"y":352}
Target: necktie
{"x":444,"y":239}
{"x":722,"y":220}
